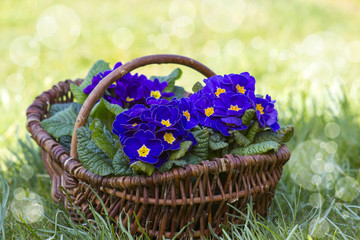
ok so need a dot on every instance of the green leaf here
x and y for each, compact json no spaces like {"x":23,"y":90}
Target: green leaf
{"x":106,"y":112}
{"x":78,"y":93}
{"x":217,"y":145}
{"x":179,"y":92}
{"x":248,"y":116}
{"x":252,"y":132}
{"x":184,"y":147}
{"x":90,"y":155}
{"x":201,"y":149}
{"x":197,"y":87}
{"x":99,"y":66}
{"x":172,"y":164}
{"x":140,"y":167}
{"x":193,"y":159}
{"x":170,"y":79}
{"x":121,"y":164}
{"x":58,"y":107}
{"x":65,"y":141}
{"x":103,"y":139}
{"x":62,"y":123}
{"x":256,"y":148}
{"x":288,"y":132}
{"x":268,"y":136}
{"x":241,"y":139}
{"x":217,"y":141}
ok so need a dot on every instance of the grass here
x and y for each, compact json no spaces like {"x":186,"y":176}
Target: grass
{"x":300,"y":52}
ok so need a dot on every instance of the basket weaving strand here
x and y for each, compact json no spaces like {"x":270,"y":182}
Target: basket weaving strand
{"x":164,"y":202}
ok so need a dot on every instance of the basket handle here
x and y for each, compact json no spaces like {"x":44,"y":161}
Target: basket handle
{"x":119,"y":72}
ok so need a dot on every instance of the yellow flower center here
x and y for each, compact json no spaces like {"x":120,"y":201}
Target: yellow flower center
{"x":234,"y":108}
{"x":169,"y":138}
{"x":143,"y":151}
{"x":209,"y":111}
{"x":219,"y":91}
{"x":134,"y":125}
{"x":129,"y":99}
{"x":240,"y":89}
{"x":186,"y":114}
{"x":155,"y":94}
{"x":166,"y":123}
{"x":260,"y":108}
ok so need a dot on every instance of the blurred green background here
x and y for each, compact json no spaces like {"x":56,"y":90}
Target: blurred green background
{"x":290,"y":47}
{"x":304,"y":53}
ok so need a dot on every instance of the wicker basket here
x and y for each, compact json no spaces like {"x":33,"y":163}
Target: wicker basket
{"x":164,"y":202}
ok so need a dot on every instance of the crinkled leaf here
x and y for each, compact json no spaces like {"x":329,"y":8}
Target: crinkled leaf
{"x":78,"y":93}
{"x":170,"y":79}
{"x":217,"y":145}
{"x":99,"y":66}
{"x":201,"y":149}
{"x":106,"y":112}
{"x":193,"y":159}
{"x":172,"y":164}
{"x":140,"y":167}
{"x":268,"y":136}
{"x":288,"y":132}
{"x":62,"y":123}
{"x":58,"y":107}
{"x":252,"y":132}
{"x":184,"y":147}
{"x":90,"y":155}
{"x":179,"y":92}
{"x":197,"y":87}
{"x":248,"y":116}
{"x":257,"y":148}
{"x":103,"y":138}
{"x":121,"y":164}
{"x":241,"y":139}
{"x":65,"y":141}
{"x":217,"y":141}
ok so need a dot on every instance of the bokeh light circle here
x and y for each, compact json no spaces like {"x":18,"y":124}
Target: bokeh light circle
{"x":15,"y":82}
{"x":58,"y":27}
{"x":29,"y":208}
{"x":234,"y":47}
{"x":19,"y":193}
{"x":331,"y":147}
{"x":162,"y":41}
{"x":123,"y":38}
{"x":211,"y":48}
{"x":25,"y":51}
{"x":345,"y":188}
{"x":352,"y":51}
{"x":313,"y":45}
{"x":179,"y":8}
{"x":316,"y":200}
{"x":257,"y":42}
{"x":26,"y":172}
{"x":319,"y":228}
{"x":183,"y":27}
{"x":309,"y":165}
{"x":223,"y":16}
{"x":332,"y":130}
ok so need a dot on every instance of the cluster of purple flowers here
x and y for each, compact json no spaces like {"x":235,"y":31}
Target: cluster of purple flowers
{"x":149,"y":131}
{"x":224,"y":99}
{"x":148,"y":134}
{"x":130,"y":89}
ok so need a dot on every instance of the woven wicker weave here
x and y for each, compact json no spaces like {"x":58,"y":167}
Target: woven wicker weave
{"x":164,"y":202}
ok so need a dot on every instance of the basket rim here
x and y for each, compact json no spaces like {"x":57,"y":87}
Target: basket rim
{"x":38,"y":108}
